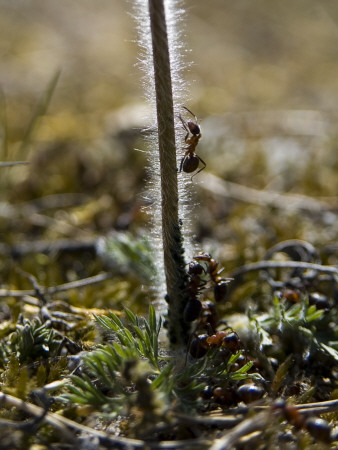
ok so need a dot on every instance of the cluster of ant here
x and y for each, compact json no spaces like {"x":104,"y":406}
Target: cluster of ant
{"x":203,"y":269}
{"x":232,"y":395}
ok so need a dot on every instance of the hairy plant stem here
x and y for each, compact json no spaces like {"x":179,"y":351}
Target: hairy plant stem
{"x":174,"y":264}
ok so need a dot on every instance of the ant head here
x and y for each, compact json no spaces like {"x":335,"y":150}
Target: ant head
{"x":194,"y":128}
{"x":198,"y":346}
{"x":195,"y":268}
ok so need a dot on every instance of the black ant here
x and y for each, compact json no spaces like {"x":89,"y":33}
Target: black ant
{"x":208,"y":318}
{"x":221,"y":284}
{"x":190,"y":161}
{"x":193,"y":307}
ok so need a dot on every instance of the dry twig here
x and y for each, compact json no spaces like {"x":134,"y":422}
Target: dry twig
{"x":294,"y":202}
{"x":60,"y":288}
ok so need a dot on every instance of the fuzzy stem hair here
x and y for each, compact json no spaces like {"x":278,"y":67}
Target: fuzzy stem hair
{"x":174,"y":264}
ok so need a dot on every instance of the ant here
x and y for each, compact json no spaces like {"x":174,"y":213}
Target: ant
{"x":319,"y":429}
{"x":221,"y":284}
{"x":228,"y":340}
{"x":193,"y":307}
{"x":208,"y":317}
{"x":190,"y":161}
{"x":232,"y":395}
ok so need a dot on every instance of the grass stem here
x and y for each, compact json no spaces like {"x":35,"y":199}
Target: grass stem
{"x":174,"y":264}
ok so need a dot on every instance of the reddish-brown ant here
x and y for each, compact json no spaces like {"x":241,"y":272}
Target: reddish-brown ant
{"x":220,"y":288}
{"x":231,"y":395}
{"x":222,"y":339}
{"x":229,"y":340}
{"x":190,"y":161}
{"x":319,"y":429}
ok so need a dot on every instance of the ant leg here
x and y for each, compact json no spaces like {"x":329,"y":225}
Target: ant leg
{"x":188,"y":348}
{"x":184,"y":126}
{"x":191,"y":113}
{"x":205,"y":165}
{"x":202,"y":168}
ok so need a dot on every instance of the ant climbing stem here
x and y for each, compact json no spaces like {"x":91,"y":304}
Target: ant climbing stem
{"x":202,"y":270}
{"x":190,"y":160}
{"x":220,"y":284}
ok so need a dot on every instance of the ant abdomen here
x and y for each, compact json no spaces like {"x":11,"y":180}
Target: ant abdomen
{"x":220,"y":291}
{"x":190,"y":163}
{"x":192,"y":310}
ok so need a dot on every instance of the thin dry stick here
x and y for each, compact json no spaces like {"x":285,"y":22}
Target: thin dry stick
{"x":284,"y":201}
{"x":248,"y":426}
{"x":265,"y":265}
{"x":60,"y":288}
{"x":319,"y":407}
{"x":64,"y":425}
{"x":262,"y":419}
{"x":237,"y":415}
{"x":174,"y":264}
{"x":13,"y":163}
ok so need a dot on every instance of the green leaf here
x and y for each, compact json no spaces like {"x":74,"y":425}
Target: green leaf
{"x":106,"y":322}
{"x":314,"y":314}
{"x":162,"y":376}
{"x":131,"y":316}
{"x":331,"y":351}
{"x":152,"y":318}
{"x":244,"y":369}
{"x":116,"y":320}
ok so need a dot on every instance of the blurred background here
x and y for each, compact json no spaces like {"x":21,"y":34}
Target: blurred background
{"x":263,"y":84}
